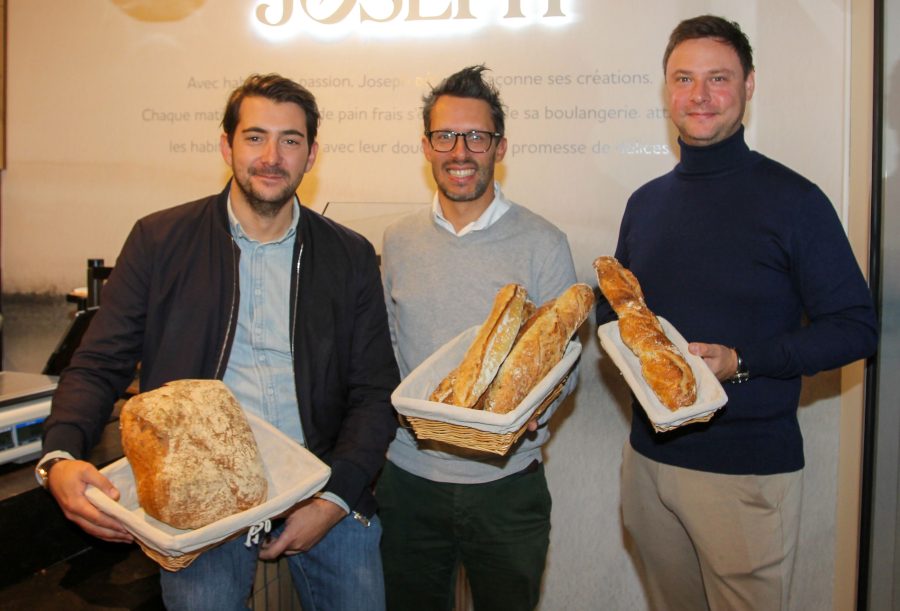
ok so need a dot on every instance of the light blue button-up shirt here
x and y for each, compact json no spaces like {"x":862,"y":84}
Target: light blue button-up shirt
{"x":260,"y":370}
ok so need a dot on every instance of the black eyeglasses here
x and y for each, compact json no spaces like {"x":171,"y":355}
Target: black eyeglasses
{"x":444,"y":141}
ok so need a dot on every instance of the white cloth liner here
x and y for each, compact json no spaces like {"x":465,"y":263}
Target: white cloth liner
{"x":710,"y":394}
{"x":409,"y":397}
{"x":292,"y":471}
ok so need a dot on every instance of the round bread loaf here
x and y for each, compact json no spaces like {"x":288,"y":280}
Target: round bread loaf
{"x":193,"y":455}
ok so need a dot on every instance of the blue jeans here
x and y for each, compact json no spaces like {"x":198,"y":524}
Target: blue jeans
{"x":341,"y":573}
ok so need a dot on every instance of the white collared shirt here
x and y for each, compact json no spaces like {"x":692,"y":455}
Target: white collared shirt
{"x":491,"y":215}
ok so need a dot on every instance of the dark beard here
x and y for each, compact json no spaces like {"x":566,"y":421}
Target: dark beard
{"x":480,"y":189}
{"x":267,"y":208}
{"x":484,"y":179}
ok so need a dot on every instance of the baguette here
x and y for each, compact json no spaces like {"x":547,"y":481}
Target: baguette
{"x":539,"y":348}
{"x":464,"y":385}
{"x":662,"y":365}
{"x":193,"y":455}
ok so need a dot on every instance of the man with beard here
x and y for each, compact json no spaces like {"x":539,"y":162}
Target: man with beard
{"x":442,"y":506}
{"x":286,"y":308}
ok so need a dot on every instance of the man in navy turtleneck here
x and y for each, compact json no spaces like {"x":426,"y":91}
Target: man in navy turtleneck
{"x":750,"y":263}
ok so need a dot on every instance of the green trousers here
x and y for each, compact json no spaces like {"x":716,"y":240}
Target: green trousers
{"x":499,"y":531}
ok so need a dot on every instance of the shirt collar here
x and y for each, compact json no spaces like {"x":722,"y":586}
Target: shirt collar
{"x":238,"y":232}
{"x":491,"y":215}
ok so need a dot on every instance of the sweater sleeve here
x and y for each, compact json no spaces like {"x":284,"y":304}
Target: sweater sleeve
{"x":554,"y":270}
{"x":841,"y":322}
{"x":387,"y":283}
{"x":555,"y":275}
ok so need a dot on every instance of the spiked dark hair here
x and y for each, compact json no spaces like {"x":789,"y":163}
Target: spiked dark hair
{"x":467,"y":83}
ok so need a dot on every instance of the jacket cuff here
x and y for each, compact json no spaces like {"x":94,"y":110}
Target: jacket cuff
{"x":347,"y":481}
{"x":66,"y":438}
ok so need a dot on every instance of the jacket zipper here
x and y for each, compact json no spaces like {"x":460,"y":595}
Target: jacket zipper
{"x":231,"y":313}
{"x":296,"y":301}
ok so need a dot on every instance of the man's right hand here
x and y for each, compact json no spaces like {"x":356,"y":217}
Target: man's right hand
{"x":721,"y":360}
{"x":67,"y":482}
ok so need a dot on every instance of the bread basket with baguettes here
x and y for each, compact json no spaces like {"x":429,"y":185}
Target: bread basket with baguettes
{"x":468,"y":428}
{"x":480,"y":389}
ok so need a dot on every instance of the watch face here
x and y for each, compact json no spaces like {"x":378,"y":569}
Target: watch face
{"x":44,"y":470}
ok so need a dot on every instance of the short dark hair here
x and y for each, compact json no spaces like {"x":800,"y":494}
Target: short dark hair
{"x":467,"y":83}
{"x":278,"y":89}
{"x":710,"y":26}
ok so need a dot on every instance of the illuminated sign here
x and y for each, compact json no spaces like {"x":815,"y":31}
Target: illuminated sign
{"x":280,"y":19}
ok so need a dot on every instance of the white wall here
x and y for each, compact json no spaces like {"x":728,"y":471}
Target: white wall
{"x":90,"y":150}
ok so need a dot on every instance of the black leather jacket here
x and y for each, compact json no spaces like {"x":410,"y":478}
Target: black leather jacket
{"x":172,"y":302}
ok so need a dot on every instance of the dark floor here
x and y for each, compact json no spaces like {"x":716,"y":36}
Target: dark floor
{"x":98,"y":578}
{"x":49,"y":563}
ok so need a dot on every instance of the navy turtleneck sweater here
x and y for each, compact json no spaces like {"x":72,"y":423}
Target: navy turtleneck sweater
{"x":736,"y":249}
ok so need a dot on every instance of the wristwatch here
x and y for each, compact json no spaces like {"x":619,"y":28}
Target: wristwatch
{"x":740,"y":374}
{"x":43,"y":469}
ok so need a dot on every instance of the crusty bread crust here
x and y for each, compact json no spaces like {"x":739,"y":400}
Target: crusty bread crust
{"x":662,"y":365}
{"x":540,"y":346}
{"x":464,"y":385}
{"x":193,"y":455}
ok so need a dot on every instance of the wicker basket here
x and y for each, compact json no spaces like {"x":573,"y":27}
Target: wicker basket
{"x":176,"y":563}
{"x":475,"y":439}
{"x":170,"y":563}
{"x":473,"y":429}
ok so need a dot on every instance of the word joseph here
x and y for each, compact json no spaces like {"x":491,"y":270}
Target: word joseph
{"x":390,"y":10}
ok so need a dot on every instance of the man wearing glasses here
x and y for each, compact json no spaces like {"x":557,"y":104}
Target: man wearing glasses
{"x":441,"y":506}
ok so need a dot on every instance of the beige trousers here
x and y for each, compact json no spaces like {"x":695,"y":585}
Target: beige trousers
{"x":709,"y":540}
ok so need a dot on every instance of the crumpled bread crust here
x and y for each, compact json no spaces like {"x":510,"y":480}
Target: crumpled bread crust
{"x":193,"y":455}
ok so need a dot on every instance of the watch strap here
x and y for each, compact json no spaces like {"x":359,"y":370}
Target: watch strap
{"x":741,"y":374}
{"x":42,"y":469}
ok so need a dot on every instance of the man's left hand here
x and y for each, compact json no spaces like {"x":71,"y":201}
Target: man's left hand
{"x":304,"y":527}
{"x":721,"y":360}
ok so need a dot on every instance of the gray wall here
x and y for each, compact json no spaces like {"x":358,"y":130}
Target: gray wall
{"x":33,"y":325}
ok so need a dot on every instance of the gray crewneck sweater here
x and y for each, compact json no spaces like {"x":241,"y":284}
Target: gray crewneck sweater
{"x":436,"y":286}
